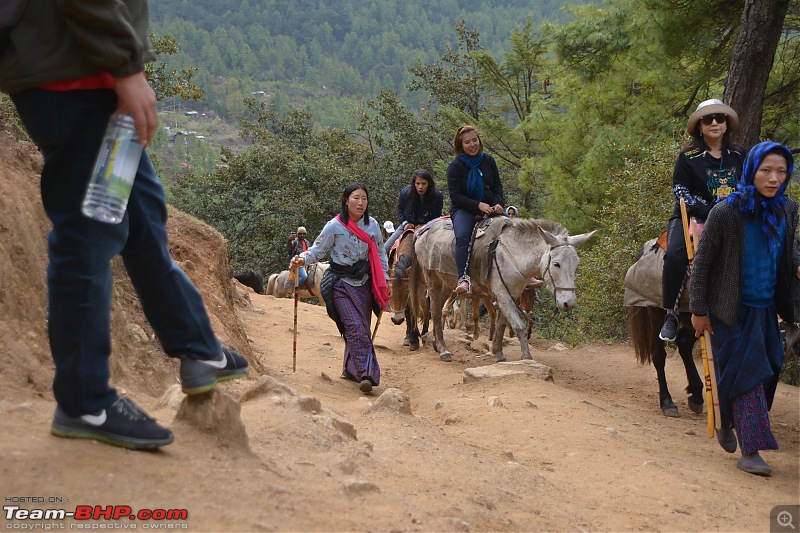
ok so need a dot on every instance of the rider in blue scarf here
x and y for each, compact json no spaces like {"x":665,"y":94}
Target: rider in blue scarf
{"x":473,"y":183}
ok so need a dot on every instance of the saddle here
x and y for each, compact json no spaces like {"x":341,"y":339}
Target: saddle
{"x":392,"y":255}
{"x":440,"y":242}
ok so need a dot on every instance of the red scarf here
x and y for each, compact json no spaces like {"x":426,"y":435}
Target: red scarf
{"x":379,"y":289}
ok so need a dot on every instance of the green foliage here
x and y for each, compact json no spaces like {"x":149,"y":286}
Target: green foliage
{"x":292,"y":176}
{"x":637,"y":204}
{"x":167,"y":83}
{"x":337,"y":48}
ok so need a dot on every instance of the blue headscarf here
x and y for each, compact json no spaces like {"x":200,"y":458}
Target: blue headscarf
{"x":475,"y":178}
{"x":750,"y":201}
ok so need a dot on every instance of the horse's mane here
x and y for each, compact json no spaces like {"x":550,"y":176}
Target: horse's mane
{"x":553,"y":227}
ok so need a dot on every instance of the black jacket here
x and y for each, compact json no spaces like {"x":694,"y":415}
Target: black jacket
{"x":457,"y":174}
{"x":716,"y":281}
{"x":703,"y":180}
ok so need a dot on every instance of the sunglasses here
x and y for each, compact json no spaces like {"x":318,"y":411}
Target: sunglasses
{"x":721,"y":118}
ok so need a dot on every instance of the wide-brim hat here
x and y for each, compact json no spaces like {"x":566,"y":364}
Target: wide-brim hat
{"x":388,"y":226}
{"x":709,"y":107}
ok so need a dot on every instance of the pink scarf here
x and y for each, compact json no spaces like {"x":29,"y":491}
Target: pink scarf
{"x":379,"y":290}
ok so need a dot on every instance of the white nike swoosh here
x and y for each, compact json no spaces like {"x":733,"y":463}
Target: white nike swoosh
{"x":95,"y":420}
{"x":217,"y":364}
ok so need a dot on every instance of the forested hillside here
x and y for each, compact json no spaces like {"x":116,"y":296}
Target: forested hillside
{"x":315,"y":54}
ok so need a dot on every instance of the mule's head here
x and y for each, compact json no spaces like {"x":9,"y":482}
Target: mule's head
{"x":398,"y":274}
{"x":559,"y":266}
{"x":399,"y":297}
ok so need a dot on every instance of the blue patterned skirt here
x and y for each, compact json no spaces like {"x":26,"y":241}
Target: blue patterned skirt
{"x":354,"y":305}
{"x":748,"y":359}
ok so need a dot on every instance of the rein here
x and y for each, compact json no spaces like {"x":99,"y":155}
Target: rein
{"x":547,"y":272}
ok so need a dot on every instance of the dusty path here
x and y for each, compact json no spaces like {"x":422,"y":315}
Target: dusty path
{"x":589,"y":451}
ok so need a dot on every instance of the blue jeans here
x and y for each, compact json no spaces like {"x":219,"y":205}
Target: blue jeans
{"x":463,"y":224}
{"x":68,"y":127}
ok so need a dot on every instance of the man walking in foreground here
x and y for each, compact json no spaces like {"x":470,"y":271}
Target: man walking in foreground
{"x":68,"y":66}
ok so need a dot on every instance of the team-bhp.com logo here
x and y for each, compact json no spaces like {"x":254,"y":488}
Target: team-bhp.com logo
{"x":87,"y":516}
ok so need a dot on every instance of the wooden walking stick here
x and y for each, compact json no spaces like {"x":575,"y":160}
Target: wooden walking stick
{"x":293,"y":274}
{"x":712,"y":399}
{"x":377,"y":323}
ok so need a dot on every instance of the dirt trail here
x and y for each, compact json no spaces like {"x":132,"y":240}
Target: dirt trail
{"x":588,"y":451}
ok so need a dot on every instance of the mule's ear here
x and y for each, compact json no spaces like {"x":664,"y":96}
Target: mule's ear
{"x":548,"y":237}
{"x":577,"y":240}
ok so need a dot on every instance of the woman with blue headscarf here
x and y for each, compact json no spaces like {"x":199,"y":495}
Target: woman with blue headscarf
{"x":473,"y":183}
{"x":746,"y":270}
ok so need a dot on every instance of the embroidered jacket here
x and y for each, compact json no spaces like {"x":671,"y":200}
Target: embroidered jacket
{"x":702,"y":180}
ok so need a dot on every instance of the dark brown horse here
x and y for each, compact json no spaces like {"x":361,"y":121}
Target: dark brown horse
{"x":645,"y":322}
{"x":645,"y":318}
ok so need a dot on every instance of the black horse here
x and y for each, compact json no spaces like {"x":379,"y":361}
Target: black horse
{"x":253,"y":279}
{"x":645,"y":322}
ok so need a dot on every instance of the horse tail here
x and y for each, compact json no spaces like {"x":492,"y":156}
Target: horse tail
{"x":642,"y":333}
{"x":271,"y":284}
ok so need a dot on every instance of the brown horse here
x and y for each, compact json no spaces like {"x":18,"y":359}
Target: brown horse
{"x":520,"y":250}
{"x":408,"y":291}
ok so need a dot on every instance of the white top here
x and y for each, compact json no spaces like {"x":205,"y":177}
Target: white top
{"x":345,"y":248}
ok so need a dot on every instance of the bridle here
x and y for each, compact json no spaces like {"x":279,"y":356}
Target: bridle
{"x":547,"y":272}
{"x":550,"y":274}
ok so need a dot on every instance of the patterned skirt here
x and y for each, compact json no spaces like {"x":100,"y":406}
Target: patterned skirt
{"x":751,"y":419}
{"x":748,"y":359}
{"x":354,"y":305}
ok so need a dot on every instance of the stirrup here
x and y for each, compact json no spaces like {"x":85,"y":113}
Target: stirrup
{"x":463,"y":290}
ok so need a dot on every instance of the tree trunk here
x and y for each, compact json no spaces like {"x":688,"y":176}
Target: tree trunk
{"x":751,"y":63}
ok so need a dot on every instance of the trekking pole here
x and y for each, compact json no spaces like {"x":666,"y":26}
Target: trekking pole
{"x":293,"y":275}
{"x":377,"y":323}
{"x":712,"y":401}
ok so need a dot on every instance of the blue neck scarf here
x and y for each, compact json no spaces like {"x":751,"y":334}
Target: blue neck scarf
{"x":751,"y":202}
{"x":475,"y":178}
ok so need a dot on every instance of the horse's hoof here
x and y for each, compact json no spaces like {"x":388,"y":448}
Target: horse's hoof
{"x":501,"y":358}
{"x":413,"y":346}
{"x":407,"y":340}
{"x":670,"y":409}
{"x":697,"y":408}
{"x":528,"y":357}
{"x":446,"y":356}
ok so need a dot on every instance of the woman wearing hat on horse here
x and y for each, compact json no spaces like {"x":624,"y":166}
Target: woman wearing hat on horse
{"x":419,"y":203}
{"x":707,"y":171}
{"x":473,"y":183}
{"x":355,"y":283}
{"x":745,"y":273}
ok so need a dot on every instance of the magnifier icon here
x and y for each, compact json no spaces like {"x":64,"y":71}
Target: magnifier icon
{"x":785,"y":519}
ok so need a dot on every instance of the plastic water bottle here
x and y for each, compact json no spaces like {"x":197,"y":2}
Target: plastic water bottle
{"x":114,"y":171}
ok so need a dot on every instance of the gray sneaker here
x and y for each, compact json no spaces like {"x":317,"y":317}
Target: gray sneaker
{"x":199,"y":376}
{"x":669,"y":331}
{"x":123,"y":424}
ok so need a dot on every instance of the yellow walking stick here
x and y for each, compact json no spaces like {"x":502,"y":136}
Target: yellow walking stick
{"x":712,"y":399}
